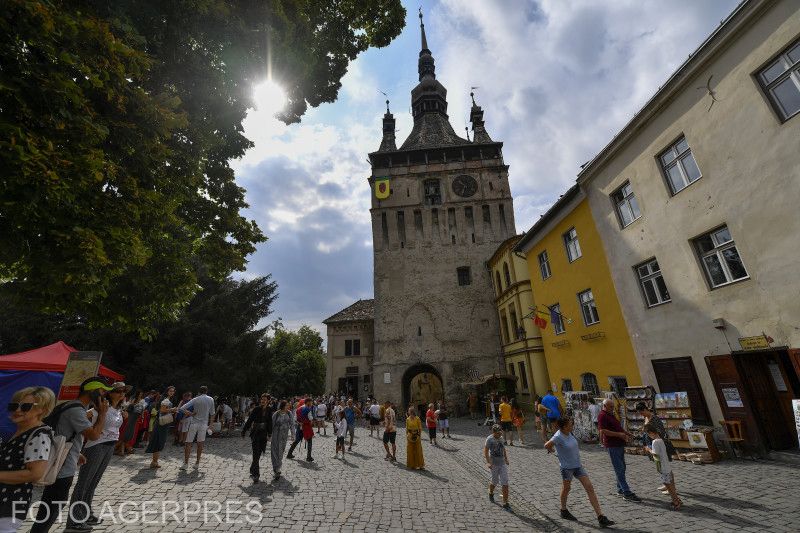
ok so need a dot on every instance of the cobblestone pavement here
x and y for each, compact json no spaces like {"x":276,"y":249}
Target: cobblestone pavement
{"x":367,"y":493}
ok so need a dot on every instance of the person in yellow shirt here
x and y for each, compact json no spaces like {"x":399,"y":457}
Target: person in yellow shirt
{"x":505,"y":418}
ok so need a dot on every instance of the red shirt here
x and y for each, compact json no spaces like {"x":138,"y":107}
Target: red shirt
{"x":430,"y":419}
{"x":606,"y":420}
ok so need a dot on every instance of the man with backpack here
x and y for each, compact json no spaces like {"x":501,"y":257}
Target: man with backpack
{"x":69,"y":420}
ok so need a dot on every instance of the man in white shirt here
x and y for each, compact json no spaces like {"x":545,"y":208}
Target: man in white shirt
{"x":319,"y":415}
{"x":202,"y":407}
{"x":374,"y":417}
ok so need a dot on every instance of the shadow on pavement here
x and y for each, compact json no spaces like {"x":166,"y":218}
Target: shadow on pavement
{"x":144,"y":476}
{"x":260,"y":490}
{"x":187,"y":478}
{"x":729,"y":503}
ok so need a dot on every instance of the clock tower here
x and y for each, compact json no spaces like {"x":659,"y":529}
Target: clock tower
{"x":441,"y":205}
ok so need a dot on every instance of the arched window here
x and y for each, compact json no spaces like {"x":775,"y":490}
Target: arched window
{"x":589,"y":383}
{"x":507,"y":274}
{"x":499,"y":284}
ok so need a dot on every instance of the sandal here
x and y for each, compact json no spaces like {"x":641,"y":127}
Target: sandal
{"x":677,"y":506}
{"x":155,"y":465}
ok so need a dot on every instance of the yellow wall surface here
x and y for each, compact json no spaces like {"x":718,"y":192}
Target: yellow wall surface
{"x":609,"y":355}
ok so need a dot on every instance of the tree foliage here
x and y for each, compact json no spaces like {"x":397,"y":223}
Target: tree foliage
{"x":117,"y":124}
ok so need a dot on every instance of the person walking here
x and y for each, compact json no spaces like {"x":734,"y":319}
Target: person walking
{"x":281,"y":429}
{"x":505,"y":420}
{"x":25,"y":455}
{"x":472,"y":402}
{"x":658,"y":450}
{"x":614,"y":437}
{"x":350,"y":414}
{"x":182,"y":420}
{"x":98,"y":454}
{"x":566,"y":446}
{"x":430,"y":423}
{"x":305,"y":430}
{"x":494,"y":452}
{"x":199,"y":410}
{"x":340,"y":429}
{"x":320,"y":415}
{"x":374,"y":418}
{"x":551,"y":415}
{"x":443,"y":417}
{"x":163,"y":423}
{"x":389,"y":431}
{"x":414,"y":458}
{"x":260,"y":425}
{"x":517,"y":420}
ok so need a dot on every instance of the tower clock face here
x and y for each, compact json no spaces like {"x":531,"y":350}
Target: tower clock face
{"x":465,"y":186}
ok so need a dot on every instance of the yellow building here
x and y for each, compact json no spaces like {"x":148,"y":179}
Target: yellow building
{"x":523,"y":354}
{"x":587,"y":346}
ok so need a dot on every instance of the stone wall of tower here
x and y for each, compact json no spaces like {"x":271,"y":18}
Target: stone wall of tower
{"x":422,"y":314}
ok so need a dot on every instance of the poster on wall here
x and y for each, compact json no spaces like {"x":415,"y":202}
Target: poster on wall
{"x":796,"y":409}
{"x":387,"y":377}
{"x":80,"y":367}
{"x":732,"y":397}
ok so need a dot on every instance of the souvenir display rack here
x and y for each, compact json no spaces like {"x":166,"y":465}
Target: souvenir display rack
{"x":673,"y":409}
{"x":633,"y":420}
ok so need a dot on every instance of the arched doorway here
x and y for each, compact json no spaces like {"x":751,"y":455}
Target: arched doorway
{"x":422,"y":384}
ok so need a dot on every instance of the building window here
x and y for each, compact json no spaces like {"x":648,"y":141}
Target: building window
{"x":566,"y":385}
{"x":514,"y":325}
{"x":544,"y":265}
{"x":679,"y":166}
{"x":384,"y":230}
{"x":463,"y":276}
{"x":348,"y":347}
{"x":511,"y":369}
{"x":498,"y":282}
{"x":352,"y":347}
{"x":588,"y":307}
{"x":523,"y":375}
{"x":366,"y":379}
{"x":356,"y":346}
{"x":720,"y":257}
{"x":487,"y":216}
{"x":781,"y":81}
{"x":504,"y":327}
{"x":507,"y":274}
{"x":618,"y":384}
{"x":555,"y":317}
{"x":433,"y":193}
{"x":626,"y":204}
{"x":401,"y":228}
{"x":652,"y":283}
{"x":572,"y":245}
{"x":589,"y":383}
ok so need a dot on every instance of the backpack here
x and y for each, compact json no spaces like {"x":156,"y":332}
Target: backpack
{"x":60,"y":446}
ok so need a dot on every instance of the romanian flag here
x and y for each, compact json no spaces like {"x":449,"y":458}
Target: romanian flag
{"x":538,"y":320}
{"x":382,"y":189}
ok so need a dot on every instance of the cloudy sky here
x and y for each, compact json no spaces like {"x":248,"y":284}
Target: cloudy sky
{"x":557,"y":79}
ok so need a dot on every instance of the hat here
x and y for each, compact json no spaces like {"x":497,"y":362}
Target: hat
{"x":95,"y":383}
{"x":496,"y":428}
{"x":120,"y":386}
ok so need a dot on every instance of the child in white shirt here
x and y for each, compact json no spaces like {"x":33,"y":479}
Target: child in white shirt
{"x":340,"y":426}
{"x":658,"y":449}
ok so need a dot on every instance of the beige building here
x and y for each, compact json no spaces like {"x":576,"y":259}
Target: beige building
{"x":696,"y":203}
{"x":523,"y":354}
{"x":350,"y":350}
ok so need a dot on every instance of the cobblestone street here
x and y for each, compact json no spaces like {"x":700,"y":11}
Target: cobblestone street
{"x":366,"y":493}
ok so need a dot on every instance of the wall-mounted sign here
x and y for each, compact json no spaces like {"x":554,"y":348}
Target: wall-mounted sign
{"x":387,"y":377}
{"x":759,"y":342}
{"x":593,"y":336}
{"x":561,"y":343}
{"x":732,"y":397}
{"x":777,"y":377}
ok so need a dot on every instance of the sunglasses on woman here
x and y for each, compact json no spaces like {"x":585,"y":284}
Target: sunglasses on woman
{"x":24,"y":407}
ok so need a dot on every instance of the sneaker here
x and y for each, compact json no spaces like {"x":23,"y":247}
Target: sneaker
{"x":604,"y":521}
{"x":566,"y":515}
{"x":506,"y":505}
{"x":93,"y":520}
{"x":184,"y":466}
{"x":290,"y":456}
{"x":310,"y":459}
{"x":631,"y":497}
{"x":491,"y":497}
{"x":77,"y":528}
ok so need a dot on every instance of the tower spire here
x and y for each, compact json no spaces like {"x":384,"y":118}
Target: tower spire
{"x":479,"y":134}
{"x":425,"y":66}
{"x":422,"y":31}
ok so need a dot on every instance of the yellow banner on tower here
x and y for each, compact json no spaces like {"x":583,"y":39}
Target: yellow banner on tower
{"x":382,"y":189}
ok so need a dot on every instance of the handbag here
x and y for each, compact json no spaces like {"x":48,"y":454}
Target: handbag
{"x":165,"y":420}
{"x":59,"y":450}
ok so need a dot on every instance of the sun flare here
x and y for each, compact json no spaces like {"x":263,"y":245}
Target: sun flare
{"x":269,"y":97}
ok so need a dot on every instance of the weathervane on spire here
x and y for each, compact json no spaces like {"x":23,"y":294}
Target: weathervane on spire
{"x":472,"y":94}
{"x":387,"y":100}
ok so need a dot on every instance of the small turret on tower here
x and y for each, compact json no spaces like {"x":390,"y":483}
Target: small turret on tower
{"x":479,"y":134}
{"x":388,"y":142}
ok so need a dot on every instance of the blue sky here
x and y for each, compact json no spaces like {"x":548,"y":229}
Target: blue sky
{"x":557,"y":79}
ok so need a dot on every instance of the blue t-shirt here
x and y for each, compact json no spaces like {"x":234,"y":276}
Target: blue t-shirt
{"x":551,"y":402}
{"x":567,"y":450}
{"x":350,"y":415}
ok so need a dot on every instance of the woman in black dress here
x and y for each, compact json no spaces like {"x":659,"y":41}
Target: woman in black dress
{"x":23,"y":458}
{"x":161,"y":427}
{"x":260,"y":425}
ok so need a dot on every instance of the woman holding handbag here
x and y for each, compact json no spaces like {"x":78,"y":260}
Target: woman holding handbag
{"x":161,"y":426}
{"x":260,"y":425}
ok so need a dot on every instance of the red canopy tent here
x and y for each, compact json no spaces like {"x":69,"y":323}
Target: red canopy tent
{"x":50,"y":358}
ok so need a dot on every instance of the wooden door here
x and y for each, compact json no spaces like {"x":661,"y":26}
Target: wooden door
{"x":678,"y":375}
{"x":732,"y":395}
{"x":766,"y":399}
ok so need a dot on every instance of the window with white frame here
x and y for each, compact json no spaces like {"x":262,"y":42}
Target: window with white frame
{"x":588,"y":308}
{"x":652,"y":283}
{"x":720,"y":257}
{"x":679,"y":166}
{"x":572,"y":245}
{"x":544,"y":265}
{"x":556,"y":319}
{"x":626,"y":204}
{"x":781,"y":81}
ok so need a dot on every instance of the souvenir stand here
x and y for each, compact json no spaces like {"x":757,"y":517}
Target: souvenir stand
{"x":674,"y":410}
{"x":577,"y":403}
{"x":634,"y":422}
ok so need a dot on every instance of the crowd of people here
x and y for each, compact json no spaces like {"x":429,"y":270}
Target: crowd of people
{"x":78,"y":438}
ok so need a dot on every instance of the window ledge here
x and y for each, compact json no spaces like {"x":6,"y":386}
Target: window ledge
{"x":659,"y":304}
{"x":634,"y":221}
{"x":734,"y":282}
